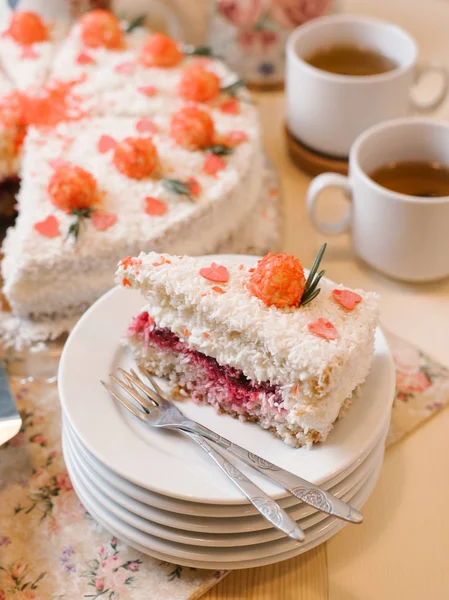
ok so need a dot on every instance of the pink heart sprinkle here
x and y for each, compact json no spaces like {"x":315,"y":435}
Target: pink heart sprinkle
{"x":146,"y":125}
{"x":102,"y":220}
{"x":85,"y":59}
{"x":230,"y":107}
{"x":148,"y":90}
{"x":126,"y":68}
{"x":346,"y":298}
{"x":217,"y":273}
{"x":106,"y":143}
{"x":56,"y":163}
{"x":323,"y":328}
{"x":29,"y":52}
{"x":213,"y":164}
{"x":234,"y":138}
{"x":49,"y":227}
{"x":155,"y":207}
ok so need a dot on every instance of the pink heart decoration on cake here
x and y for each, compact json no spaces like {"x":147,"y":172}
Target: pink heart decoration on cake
{"x":323,"y":328}
{"x":236,"y":137}
{"x":49,"y":227}
{"x":102,"y":220}
{"x":84,"y":58}
{"x":148,"y":90}
{"x":126,"y":68}
{"x":146,"y":125}
{"x":55,"y":163}
{"x":29,"y":52}
{"x":213,"y":164}
{"x":155,"y":207}
{"x":217,"y":273}
{"x":106,"y":143}
{"x":346,"y":298}
{"x":230,"y":107}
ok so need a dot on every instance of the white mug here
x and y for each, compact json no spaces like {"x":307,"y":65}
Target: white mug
{"x":405,"y":237}
{"x":327,"y":112}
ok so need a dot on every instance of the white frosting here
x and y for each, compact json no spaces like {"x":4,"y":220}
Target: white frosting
{"x":265,"y":343}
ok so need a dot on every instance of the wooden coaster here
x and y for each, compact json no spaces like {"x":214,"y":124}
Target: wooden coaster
{"x":313,"y":162}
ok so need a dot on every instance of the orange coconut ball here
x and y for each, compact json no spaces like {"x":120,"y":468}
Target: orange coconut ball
{"x":198,"y":85}
{"x":100,"y":28}
{"x":160,"y":51}
{"x":278,"y":280}
{"x":192,"y":128}
{"x":27,"y":28}
{"x":72,"y":188}
{"x":136,"y":157}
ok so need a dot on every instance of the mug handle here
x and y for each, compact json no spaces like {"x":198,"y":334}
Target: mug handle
{"x":422,"y":70}
{"x":320,"y":183}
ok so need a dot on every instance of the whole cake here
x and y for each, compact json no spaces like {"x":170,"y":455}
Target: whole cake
{"x":123,"y":142}
{"x":261,"y":343}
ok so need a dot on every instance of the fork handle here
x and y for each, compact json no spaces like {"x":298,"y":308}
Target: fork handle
{"x":301,"y":488}
{"x":267,"y":507}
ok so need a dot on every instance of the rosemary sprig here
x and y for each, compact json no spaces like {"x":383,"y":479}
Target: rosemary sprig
{"x":220,"y":150}
{"x":312,"y":290}
{"x":80,"y":215}
{"x":135,"y":23}
{"x":176,"y":186}
{"x":199,"y":51}
{"x":233,"y":88}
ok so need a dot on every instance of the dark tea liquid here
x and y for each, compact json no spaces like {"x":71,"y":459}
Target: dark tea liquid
{"x":357,"y":61}
{"x":414,"y":178}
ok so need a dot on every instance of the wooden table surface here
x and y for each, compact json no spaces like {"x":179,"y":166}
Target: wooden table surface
{"x":402,"y":549}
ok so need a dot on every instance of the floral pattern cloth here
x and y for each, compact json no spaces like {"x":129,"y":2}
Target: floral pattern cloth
{"x":50,"y":547}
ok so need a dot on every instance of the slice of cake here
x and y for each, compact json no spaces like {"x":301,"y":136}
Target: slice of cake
{"x":143,"y":74}
{"x":27,"y":48}
{"x":95,"y":51}
{"x":259,"y":343}
{"x":97,"y":189}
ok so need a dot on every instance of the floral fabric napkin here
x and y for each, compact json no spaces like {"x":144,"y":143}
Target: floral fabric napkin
{"x":51,"y":549}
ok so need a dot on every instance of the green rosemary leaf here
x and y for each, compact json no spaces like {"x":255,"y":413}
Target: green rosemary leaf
{"x":74,"y":230}
{"x":200,"y":51}
{"x":311,"y":289}
{"x":220,"y":150}
{"x":311,"y":297}
{"x":233,"y":88}
{"x":316,"y":264}
{"x":80,"y":215}
{"x":135,"y":23}
{"x":315,"y":282}
{"x":176,"y":186}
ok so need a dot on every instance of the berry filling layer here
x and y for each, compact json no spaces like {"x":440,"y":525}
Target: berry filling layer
{"x":206,"y":380}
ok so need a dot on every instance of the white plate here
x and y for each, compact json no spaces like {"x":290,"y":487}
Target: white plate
{"x":204,"y":531}
{"x":136,"y":539}
{"x":191,"y":551}
{"x":119,"y":486}
{"x":168,"y":464}
{"x":243,"y":526}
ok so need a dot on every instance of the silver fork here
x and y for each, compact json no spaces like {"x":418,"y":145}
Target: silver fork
{"x":297,"y":486}
{"x":161,"y":413}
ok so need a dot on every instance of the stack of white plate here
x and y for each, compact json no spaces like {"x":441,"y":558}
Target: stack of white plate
{"x":160,"y":493}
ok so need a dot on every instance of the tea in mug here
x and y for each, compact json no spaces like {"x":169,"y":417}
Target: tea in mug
{"x":414,"y":178}
{"x":357,"y":61}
